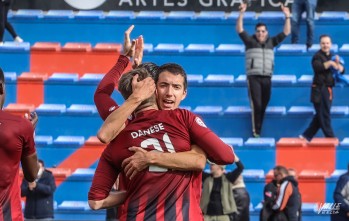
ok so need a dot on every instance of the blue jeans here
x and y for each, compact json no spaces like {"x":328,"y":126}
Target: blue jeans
{"x":298,"y":7}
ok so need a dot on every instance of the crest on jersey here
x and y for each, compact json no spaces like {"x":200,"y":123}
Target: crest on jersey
{"x":200,"y":122}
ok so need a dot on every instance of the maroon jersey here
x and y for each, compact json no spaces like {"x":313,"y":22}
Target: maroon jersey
{"x":159,"y":193}
{"x":16,"y":141}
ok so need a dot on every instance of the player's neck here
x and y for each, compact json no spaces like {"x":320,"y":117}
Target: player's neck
{"x":151,"y":107}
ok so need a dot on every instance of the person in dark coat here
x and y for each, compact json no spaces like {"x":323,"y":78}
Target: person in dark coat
{"x":39,"y":195}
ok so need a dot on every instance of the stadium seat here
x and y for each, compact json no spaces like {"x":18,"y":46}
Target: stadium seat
{"x":305,"y":80}
{"x":150,"y":15}
{"x":208,"y":110}
{"x":11,"y":87}
{"x":181,"y":15}
{"x":120,"y":15}
{"x":292,"y":48}
{"x":315,"y":47}
{"x":195,"y":79}
{"x":73,"y":205}
{"x":46,"y":46}
{"x":20,"y":109}
{"x":148,"y":48}
{"x":51,"y":109}
{"x":254,"y":181}
{"x":333,"y":16}
{"x":312,"y":185}
{"x":28,"y":14}
{"x":260,"y":142}
{"x":344,"y":48}
{"x":301,"y":110}
{"x":272,"y":16}
{"x":93,"y":78}
{"x":169,"y":48}
{"x":59,"y":14}
{"x":107,"y":47}
{"x":331,"y":182}
{"x":43,"y":140}
{"x":83,"y":174}
{"x":219,"y":80}
{"x":10,"y":46}
{"x":77,"y":47}
{"x":89,"y":15}
{"x":80,"y":109}
{"x":238,"y":110}
{"x":241,"y":80}
{"x":276,"y":110}
{"x":30,"y":88}
{"x":284,"y":80}
{"x":230,"y":49}
{"x":71,"y":141}
{"x":211,"y":16}
{"x":63,"y":77}
{"x":339,"y":110}
{"x":233,"y":141}
{"x":248,"y":16}
{"x":199,"y":48}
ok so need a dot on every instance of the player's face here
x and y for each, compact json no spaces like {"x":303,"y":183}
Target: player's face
{"x":325,"y":44}
{"x":170,"y":90}
{"x":261,"y":33}
{"x":278,"y":176}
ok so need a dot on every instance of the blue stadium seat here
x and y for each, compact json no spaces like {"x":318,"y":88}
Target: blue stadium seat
{"x":11,"y":87}
{"x":241,"y":80}
{"x":276,"y":110}
{"x":315,"y":47}
{"x":333,"y":16}
{"x":284,"y":80}
{"x":271,"y":16}
{"x":248,"y":16}
{"x":91,"y":78}
{"x":344,"y":48}
{"x":169,"y":48}
{"x":305,"y":80}
{"x":331,"y":182}
{"x":120,"y":15}
{"x":208,"y":110}
{"x":63,"y":78}
{"x":150,"y":15}
{"x":301,"y":110}
{"x":345,"y":142}
{"x":260,"y":142}
{"x":253,"y":173}
{"x":51,"y":109}
{"x":89,"y":15}
{"x":212,"y":16}
{"x":181,"y":15}
{"x":69,"y":141}
{"x":292,"y":48}
{"x":10,"y":46}
{"x":10,"y":76}
{"x":28,"y":14}
{"x":339,"y":110}
{"x":148,"y":48}
{"x":185,"y":108}
{"x":233,"y":141}
{"x":219,"y":80}
{"x":81,"y":109}
{"x":230,"y":49}
{"x":82,"y":174}
{"x":73,"y":206}
{"x":199,"y":48}
{"x":43,"y":140}
{"x":309,"y":207}
{"x":195,"y":79}
{"x":59,"y":14}
{"x":237,"y":110}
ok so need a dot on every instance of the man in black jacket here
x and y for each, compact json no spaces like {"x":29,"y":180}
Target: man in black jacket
{"x":39,"y":195}
{"x":321,"y":89}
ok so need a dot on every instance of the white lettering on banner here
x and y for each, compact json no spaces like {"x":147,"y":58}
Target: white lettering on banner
{"x":125,"y":1}
{"x":150,"y":130}
{"x":224,"y":3}
{"x":168,"y":4}
{"x":235,"y":2}
{"x":183,"y":3}
{"x":130,"y":3}
{"x":277,"y":4}
{"x":205,"y":4}
{"x":85,"y":4}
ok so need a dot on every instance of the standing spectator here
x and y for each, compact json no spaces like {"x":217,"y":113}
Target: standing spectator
{"x":241,"y":196}
{"x":288,"y":199}
{"x":39,"y":195}
{"x":16,"y":146}
{"x":4,"y":8}
{"x":321,"y":89}
{"x":259,"y":61}
{"x":217,"y":200}
{"x":270,"y":194}
{"x":298,"y":7}
{"x":341,"y":195}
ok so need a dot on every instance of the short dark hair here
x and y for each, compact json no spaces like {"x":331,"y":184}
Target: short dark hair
{"x":42,"y":162}
{"x":261,"y":24}
{"x":281,"y":169}
{"x":324,"y":36}
{"x":175,"y":69}
{"x":2,"y":76}
{"x":151,"y":67}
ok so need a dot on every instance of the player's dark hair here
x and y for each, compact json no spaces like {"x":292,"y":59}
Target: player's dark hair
{"x":281,"y":169}
{"x":174,"y":69}
{"x":261,"y":24}
{"x":324,"y":36}
{"x":42,"y":162}
{"x":151,"y":67}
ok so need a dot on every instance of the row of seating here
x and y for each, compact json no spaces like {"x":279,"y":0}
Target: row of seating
{"x":159,"y":15}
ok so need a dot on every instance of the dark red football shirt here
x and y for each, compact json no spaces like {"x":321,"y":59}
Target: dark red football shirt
{"x":16,"y":141}
{"x":157,"y":193}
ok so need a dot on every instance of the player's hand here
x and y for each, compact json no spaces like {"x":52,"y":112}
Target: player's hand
{"x":32,"y":185}
{"x":127,"y":41}
{"x":138,"y":54}
{"x":285,"y":10}
{"x":336,"y":59}
{"x":136,"y":163}
{"x":242,"y":7}
{"x":33,"y":118}
{"x":236,"y":157}
{"x":142,"y":89}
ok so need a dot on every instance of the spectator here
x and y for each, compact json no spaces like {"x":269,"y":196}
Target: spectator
{"x":17,"y":146}
{"x":341,"y":195}
{"x":298,"y":7}
{"x":39,"y":195}
{"x":321,"y":89}
{"x":270,"y":194}
{"x":241,"y":196}
{"x":288,"y":199}
{"x":217,"y":200}
{"x":4,"y":8}
{"x":259,"y":61}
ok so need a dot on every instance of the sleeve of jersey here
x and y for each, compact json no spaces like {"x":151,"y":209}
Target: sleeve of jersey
{"x":283,"y":196}
{"x":102,"y":97}
{"x":103,"y":179}
{"x":217,"y":151}
{"x":28,"y":138}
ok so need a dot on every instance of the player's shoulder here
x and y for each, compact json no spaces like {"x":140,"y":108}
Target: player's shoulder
{"x":13,"y":119}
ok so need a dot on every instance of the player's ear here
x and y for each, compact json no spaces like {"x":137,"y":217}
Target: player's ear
{"x":184,"y":95}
